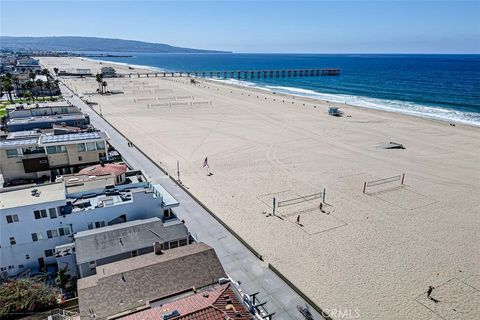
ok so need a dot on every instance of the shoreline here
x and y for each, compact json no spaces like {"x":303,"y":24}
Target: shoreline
{"x":380,"y":105}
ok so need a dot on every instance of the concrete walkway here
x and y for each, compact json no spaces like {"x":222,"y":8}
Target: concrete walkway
{"x":239,"y":263}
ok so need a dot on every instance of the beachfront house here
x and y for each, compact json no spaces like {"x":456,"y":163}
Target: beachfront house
{"x":94,"y":248}
{"x":37,"y":219}
{"x":123,"y":286}
{"x":31,"y":154}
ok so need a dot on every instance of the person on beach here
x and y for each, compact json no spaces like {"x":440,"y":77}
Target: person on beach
{"x":429,"y":292}
{"x":298,"y":219}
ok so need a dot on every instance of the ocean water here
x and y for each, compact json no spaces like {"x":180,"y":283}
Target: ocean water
{"x":444,"y":87}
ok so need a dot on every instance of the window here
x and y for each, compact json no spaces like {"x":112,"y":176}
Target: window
{"x":3,"y":269}
{"x":37,"y":236}
{"x":81,"y":147}
{"x":53,"y":213}
{"x":134,"y":253}
{"x":11,"y":267}
{"x":165,"y":246}
{"x":90,"y":225}
{"x":52,"y":233}
{"x":48,"y":253}
{"x":64,"y":231}
{"x":33,"y":150}
{"x":12,"y":218}
{"x":21,"y":266}
{"x":99,"y":224}
{"x":182,"y":242}
{"x":100,"y":145}
{"x":39,"y":214}
{"x":91,"y":146}
{"x":173,"y":244}
{"x":56,"y":149}
{"x":12,"y":241}
{"x":80,"y":158}
{"x":27,"y":256}
{"x":93,"y":265}
{"x":14,"y":153}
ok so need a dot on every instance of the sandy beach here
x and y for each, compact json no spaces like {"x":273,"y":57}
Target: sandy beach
{"x":374,"y":254}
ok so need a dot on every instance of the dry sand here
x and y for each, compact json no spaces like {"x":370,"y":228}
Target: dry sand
{"x":376,"y":253}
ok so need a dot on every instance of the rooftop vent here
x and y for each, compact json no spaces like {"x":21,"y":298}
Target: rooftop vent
{"x":170,"y":315}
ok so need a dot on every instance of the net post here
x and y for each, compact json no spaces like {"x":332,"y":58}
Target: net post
{"x":403,"y":178}
{"x":323,"y":196}
{"x":364,"y":186}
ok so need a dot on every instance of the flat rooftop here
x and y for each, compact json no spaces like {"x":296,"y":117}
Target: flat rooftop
{"x":39,"y":105}
{"x":168,"y":199}
{"x":42,"y":119}
{"x":32,"y":137}
{"x":72,"y":138}
{"x":24,"y":197}
{"x":6,"y":144}
{"x":24,"y":134}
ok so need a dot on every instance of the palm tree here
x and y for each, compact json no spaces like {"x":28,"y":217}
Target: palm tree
{"x":39,"y":84}
{"x":48,"y":86}
{"x":31,"y":75}
{"x":28,"y":95}
{"x":104,"y":86}
{"x":55,"y":70}
{"x":45,"y":72}
{"x":7,"y":85}
{"x":99,"y":78}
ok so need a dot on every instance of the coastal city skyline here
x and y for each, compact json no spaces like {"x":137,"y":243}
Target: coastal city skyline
{"x":381,"y":26}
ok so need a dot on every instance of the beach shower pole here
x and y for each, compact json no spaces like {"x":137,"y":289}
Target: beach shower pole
{"x":178,"y":170}
{"x":274,"y":203}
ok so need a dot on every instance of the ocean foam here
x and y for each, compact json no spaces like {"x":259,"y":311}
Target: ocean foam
{"x":406,"y":107}
{"x":234,"y":82}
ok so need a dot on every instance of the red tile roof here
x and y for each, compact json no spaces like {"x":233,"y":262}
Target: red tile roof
{"x":218,"y":303}
{"x":107,"y":168}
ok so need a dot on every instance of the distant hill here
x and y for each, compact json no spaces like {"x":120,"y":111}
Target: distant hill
{"x":90,"y":44}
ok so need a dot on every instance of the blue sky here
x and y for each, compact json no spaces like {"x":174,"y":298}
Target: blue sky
{"x":260,"y":26}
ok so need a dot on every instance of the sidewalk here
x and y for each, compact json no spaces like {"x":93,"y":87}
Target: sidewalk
{"x":239,"y":262}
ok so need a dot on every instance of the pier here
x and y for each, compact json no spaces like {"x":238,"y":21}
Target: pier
{"x":239,"y":74}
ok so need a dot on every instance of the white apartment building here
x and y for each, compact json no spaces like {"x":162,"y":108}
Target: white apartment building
{"x":34,"y":220}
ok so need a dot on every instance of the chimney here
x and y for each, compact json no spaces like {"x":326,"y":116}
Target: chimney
{"x":157,"y":248}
